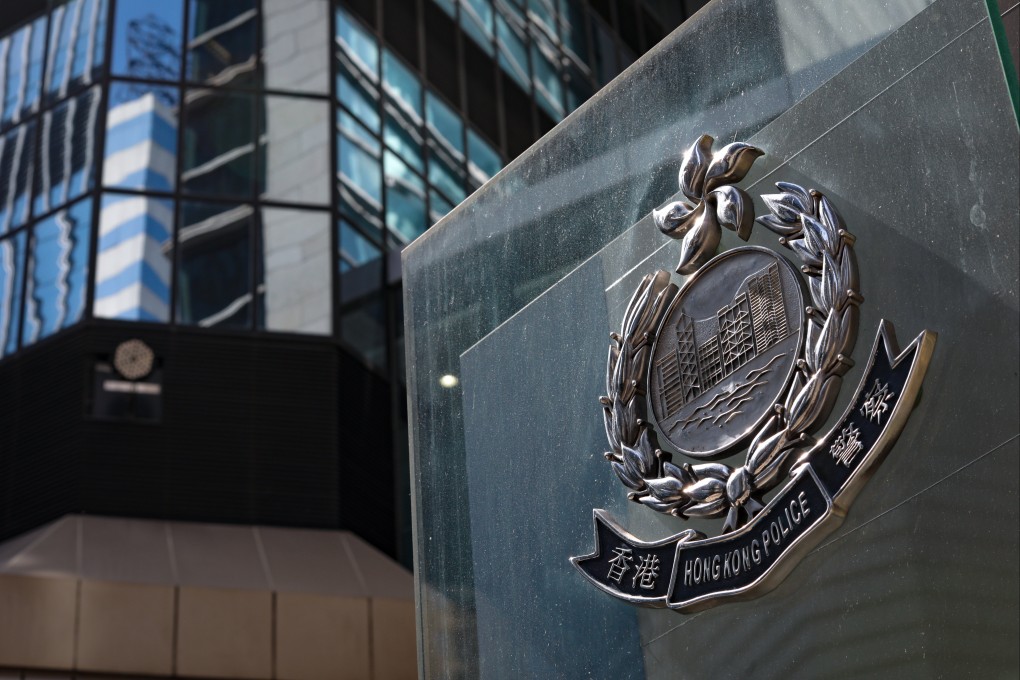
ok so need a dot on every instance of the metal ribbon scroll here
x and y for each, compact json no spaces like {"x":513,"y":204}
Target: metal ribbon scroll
{"x":686,"y":573}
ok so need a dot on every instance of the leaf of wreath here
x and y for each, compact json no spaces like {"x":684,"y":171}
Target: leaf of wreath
{"x":811,"y":227}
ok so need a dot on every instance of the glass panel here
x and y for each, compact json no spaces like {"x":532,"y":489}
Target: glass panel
{"x":17,"y":151}
{"x":12,"y":257}
{"x":141,"y":137}
{"x":543,"y":14}
{"x":448,"y":7}
{"x":214,"y":265}
{"x":295,"y":160}
{"x":363,"y":329}
{"x":446,"y":176}
{"x":405,"y":200}
{"x":58,"y":264}
{"x":403,"y":111}
{"x":21,"y":64}
{"x":219,"y":143}
{"x":133,"y":258}
{"x":483,"y":160}
{"x":444,"y":123}
{"x":578,"y":88}
{"x":295,"y":45}
{"x":476,"y":19}
{"x":360,"y":264}
{"x":513,"y":52}
{"x":356,"y":249}
{"x":77,"y":40}
{"x":606,"y":65}
{"x":222,"y":38}
{"x":295,"y":272}
{"x":548,"y":88}
{"x":852,"y":137}
{"x":402,"y":86}
{"x":438,"y":206}
{"x":358,"y":70}
{"x":67,"y":154}
{"x":406,"y":140}
{"x":357,"y":41}
{"x":360,"y":163}
{"x":572,"y":29}
{"x":147,"y":39}
{"x":359,"y":176}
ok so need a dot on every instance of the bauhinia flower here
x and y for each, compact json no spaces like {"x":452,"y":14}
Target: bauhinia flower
{"x":706,"y":180}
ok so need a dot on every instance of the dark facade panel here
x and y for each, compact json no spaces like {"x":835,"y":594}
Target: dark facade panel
{"x":248,"y":433}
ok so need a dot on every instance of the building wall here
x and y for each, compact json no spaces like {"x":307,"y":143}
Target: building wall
{"x":231,"y":183}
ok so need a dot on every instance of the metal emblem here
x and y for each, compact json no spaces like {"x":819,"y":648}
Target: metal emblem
{"x":751,"y":351}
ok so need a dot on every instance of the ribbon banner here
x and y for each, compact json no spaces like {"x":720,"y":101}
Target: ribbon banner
{"x":686,"y":573}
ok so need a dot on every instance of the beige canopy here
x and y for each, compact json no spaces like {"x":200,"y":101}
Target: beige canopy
{"x":166,"y":599}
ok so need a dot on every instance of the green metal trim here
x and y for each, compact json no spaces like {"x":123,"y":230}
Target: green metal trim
{"x":1008,"y":68}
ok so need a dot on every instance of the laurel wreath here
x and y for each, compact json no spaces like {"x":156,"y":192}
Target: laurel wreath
{"x":810,"y":226}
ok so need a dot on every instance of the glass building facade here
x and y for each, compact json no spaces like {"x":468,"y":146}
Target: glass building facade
{"x":252,"y":168}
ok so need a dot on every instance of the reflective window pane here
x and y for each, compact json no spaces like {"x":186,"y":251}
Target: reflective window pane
{"x":444,"y":123}
{"x":360,"y":163}
{"x":483,"y":161}
{"x":214,"y":266}
{"x":363,"y":329}
{"x":77,"y":39}
{"x":141,"y":137}
{"x":438,"y":206}
{"x":447,"y":6}
{"x":67,"y":151}
{"x":219,"y":147}
{"x":358,"y":70}
{"x":405,"y":201}
{"x":357,"y":90}
{"x":295,"y":271}
{"x":295,"y":45}
{"x":222,"y":41}
{"x":513,"y":54}
{"x":356,"y":249}
{"x":548,"y":88}
{"x":17,"y":153}
{"x":147,"y":39}
{"x":58,"y":264}
{"x":295,"y":157}
{"x":12,"y":257}
{"x":133,"y":258}
{"x":578,"y":88}
{"x":21,"y":64}
{"x":572,"y":29}
{"x":359,"y":176}
{"x":357,"y":41}
{"x":405,"y":139}
{"x":446,"y":176}
{"x":402,"y":87}
{"x":604,"y":50}
{"x":543,"y":14}
{"x":476,"y":17}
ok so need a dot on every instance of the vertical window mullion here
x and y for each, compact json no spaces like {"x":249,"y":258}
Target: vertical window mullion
{"x":335,"y":207}
{"x":258,"y":113}
{"x":178,"y":211}
{"x":98,"y":163}
{"x":30,"y":180}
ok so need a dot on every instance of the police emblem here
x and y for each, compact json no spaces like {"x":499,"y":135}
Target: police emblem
{"x":751,"y":353}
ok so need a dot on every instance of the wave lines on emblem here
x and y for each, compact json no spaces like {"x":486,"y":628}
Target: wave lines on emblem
{"x":730,"y":399}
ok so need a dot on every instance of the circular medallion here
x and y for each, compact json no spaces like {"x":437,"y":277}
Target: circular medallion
{"x":133,"y":359}
{"x":725,"y":351}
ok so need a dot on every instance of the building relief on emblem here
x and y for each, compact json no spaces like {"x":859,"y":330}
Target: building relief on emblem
{"x":725,"y":351}
{"x":751,"y":349}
